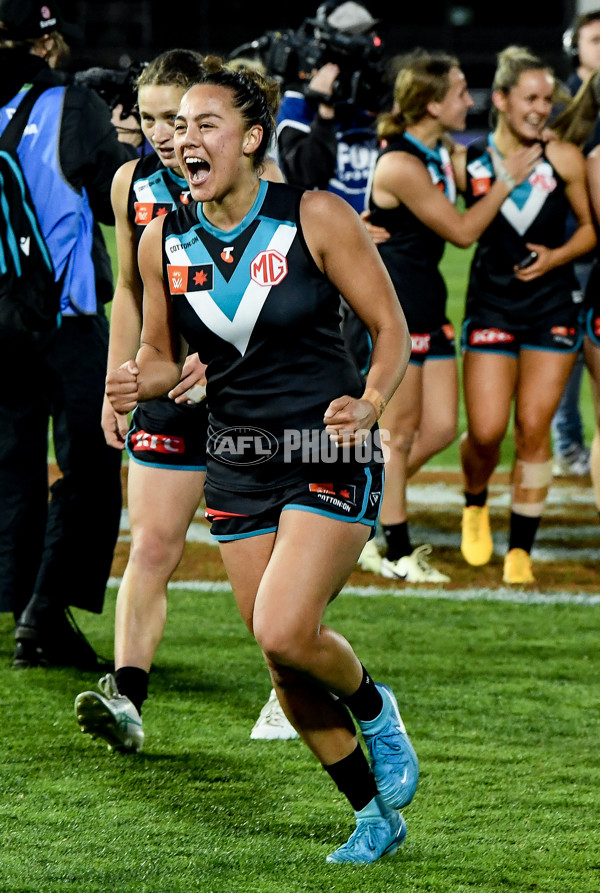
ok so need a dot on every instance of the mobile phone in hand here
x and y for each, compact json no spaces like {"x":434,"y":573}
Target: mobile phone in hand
{"x":527,"y":261}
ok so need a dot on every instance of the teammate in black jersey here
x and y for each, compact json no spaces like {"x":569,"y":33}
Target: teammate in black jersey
{"x":166,"y":441}
{"x":251,"y":277}
{"x":413,"y":197}
{"x":521,"y":331}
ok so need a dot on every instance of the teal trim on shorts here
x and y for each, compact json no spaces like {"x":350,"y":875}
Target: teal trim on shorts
{"x":307,"y":508}
{"x":242,"y":536}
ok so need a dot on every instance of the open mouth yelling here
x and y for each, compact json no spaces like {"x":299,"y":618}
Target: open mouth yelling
{"x":198,"y":170}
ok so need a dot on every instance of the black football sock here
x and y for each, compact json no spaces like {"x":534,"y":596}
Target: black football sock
{"x":132,"y":682}
{"x":478,"y":499}
{"x":366,"y":702}
{"x":522,"y":531}
{"x":398,"y":540}
{"x":354,"y":779}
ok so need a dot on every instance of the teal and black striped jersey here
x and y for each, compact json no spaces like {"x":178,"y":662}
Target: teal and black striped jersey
{"x":413,"y":252}
{"x":535,"y":211}
{"x":260,"y":313}
{"x":155,"y":190}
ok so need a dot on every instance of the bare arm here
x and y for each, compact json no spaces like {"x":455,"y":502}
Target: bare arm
{"x":400,"y":178}
{"x":346,"y":254}
{"x":126,"y":310}
{"x":159,"y":361}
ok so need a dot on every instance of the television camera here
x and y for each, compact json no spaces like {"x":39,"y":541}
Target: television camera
{"x":291,"y":56}
{"x":115,"y":86}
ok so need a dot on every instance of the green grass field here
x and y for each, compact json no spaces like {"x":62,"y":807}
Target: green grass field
{"x":500,"y":698}
{"x":501,"y":701}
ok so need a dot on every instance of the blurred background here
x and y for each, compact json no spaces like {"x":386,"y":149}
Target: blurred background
{"x":118,"y":32}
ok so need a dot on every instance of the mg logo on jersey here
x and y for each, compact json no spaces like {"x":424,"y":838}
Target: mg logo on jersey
{"x":543,"y":180}
{"x":268,"y":268}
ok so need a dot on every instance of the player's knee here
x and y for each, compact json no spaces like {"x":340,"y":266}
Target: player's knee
{"x":282,"y":646}
{"x":152,"y":551}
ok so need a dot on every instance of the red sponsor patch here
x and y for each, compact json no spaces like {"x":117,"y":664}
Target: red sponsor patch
{"x":448,"y":330}
{"x":147,"y":211}
{"x":481,"y":185}
{"x":142,"y":441}
{"x":268,"y":268}
{"x":218,"y":515}
{"x":490,"y":336}
{"x":596,"y":326}
{"x":563,"y":330}
{"x":341,"y":491}
{"x":420,"y":343}
{"x":184,"y":279}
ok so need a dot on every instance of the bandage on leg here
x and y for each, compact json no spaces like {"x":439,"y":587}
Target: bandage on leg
{"x":530,"y":483}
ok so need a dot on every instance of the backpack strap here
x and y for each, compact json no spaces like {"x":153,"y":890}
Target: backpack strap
{"x":14,"y":129}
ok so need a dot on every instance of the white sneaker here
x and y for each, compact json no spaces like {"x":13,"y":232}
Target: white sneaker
{"x":413,"y":568}
{"x":370,"y":558}
{"x":272,"y":722}
{"x":573,"y":462}
{"x":112,"y":717}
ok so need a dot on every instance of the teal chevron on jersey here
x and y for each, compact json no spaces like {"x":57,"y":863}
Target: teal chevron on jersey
{"x":236,"y":303}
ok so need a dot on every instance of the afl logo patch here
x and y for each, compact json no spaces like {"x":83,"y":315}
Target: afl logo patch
{"x":268,"y":268}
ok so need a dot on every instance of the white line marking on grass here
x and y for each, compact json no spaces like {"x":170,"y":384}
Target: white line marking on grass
{"x":513,"y":596}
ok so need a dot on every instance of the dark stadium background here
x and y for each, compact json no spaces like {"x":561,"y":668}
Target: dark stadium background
{"x":118,"y":31}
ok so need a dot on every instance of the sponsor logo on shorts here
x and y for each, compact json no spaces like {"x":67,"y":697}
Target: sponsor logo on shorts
{"x":219,"y":515}
{"x":142,"y":441}
{"x":147,"y":211}
{"x":420,"y":343}
{"x":184,"y":279}
{"x":336,"y":495}
{"x":242,"y":446}
{"x":490,"y":336}
{"x":448,"y":330}
{"x":374,"y":497}
{"x":596,"y":326}
{"x":564,"y":335}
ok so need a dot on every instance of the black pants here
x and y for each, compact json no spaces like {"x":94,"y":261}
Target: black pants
{"x":60,"y":550}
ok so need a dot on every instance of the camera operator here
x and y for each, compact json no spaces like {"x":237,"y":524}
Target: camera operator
{"x":325,"y":142}
{"x":329,"y":142}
